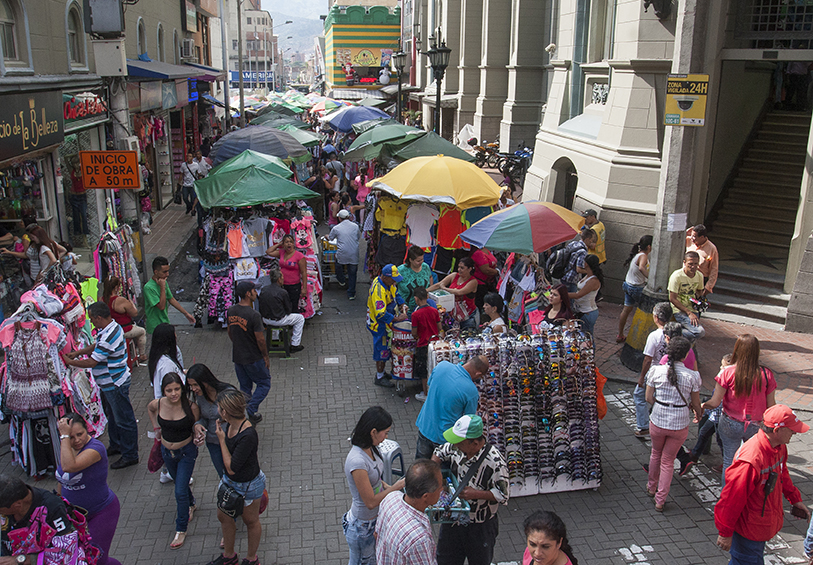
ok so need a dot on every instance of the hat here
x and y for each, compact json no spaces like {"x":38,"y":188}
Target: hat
{"x":589,"y":212}
{"x":243,"y":288}
{"x":779,"y":415}
{"x":469,"y":426}
{"x":343,"y":214}
{"x":391,"y":271}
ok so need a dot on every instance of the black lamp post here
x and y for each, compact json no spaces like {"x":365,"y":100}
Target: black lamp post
{"x":399,"y":61}
{"x":438,"y":60}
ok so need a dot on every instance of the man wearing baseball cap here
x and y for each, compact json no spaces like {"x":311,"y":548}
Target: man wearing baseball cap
{"x":249,"y":351}
{"x":749,"y":511}
{"x":591,"y":223}
{"x":381,"y":314}
{"x":485,"y":491}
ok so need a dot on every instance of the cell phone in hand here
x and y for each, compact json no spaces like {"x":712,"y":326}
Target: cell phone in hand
{"x":798,"y":512}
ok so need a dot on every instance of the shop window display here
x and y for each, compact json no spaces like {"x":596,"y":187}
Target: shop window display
{"x":80,"y":205}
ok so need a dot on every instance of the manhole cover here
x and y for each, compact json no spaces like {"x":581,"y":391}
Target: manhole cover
{"x":333,"y":361}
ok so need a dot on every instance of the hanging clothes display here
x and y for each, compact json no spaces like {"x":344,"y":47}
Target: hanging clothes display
{"x":116,"y":252}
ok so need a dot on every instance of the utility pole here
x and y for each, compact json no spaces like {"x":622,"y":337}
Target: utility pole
{"x":225,"y":53}
{"x":240,"y":63}
{"x":256,"y":57}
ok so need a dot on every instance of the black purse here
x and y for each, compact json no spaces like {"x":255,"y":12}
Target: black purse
{"x":229,"y":501}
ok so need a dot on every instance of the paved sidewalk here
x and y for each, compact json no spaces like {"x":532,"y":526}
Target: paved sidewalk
{"x":169,"y":231}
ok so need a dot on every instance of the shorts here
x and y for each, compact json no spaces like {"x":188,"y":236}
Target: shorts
{"x":632,"y":294}
{"x":381,"y":346}
{"x":419,"y":362}
{"x":251,"y":491}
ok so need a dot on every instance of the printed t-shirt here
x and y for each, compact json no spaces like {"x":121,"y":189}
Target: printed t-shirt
{"x":411,"y":280}
{"x":245,"y":269}
{"x":153,"y":314}
{"x":290,"y":267}
{"x":449,"y":228}
{"x":392,"y":215}
{"x":599,"y":251}
{"x":483,"y":257}
{"x":685,"y":287}
{"x":749,"y":407}
{"x":420,"y":220}
{"x":56,"y":517}
{"x":254,"y":232}
{"x":87,"y":488}
{"x":655,"y":344}
{"x":426,"y":319}
{"x":357,"y":459}
{"x":244,"y":322}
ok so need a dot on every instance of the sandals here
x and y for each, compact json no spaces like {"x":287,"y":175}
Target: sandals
{"x":192,"y":511}
{"x":650,"y":493}
{"x":659,"y":508}
{"x":177,"y":543}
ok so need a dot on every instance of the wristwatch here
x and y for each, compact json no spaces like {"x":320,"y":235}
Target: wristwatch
{"x":21,"y":559}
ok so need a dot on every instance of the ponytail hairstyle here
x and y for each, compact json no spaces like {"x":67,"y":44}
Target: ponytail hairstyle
{"x":677,"y":351}
{"x":643,"y":243}
{"x":593,"y":262}
{"x":552,"y":526}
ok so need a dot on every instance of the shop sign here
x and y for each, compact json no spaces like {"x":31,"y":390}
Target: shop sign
{"x":190,"y":16}
{"x":150,"y":95}
{"x":29,"y":122}
{"x":193,"y":89}
{"x":686,"y":100}
{"x":110,"y":169}
{"x":363,"y":57}
{"x":84,"y":109}
{"x":252,"y":76}
{"x":182,"y":91}
{"x":168,"y":95}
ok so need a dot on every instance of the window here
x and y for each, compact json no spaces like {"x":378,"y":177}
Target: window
{"x":8,"y":32}
{"x":160,"y":43}
{"x":141,"y":39}
{"x":248,"y":21}
{"x":234,"y":44}
{"x":76,"y":36}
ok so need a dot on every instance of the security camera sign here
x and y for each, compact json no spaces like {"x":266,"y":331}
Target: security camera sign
{"x":686,"y":100}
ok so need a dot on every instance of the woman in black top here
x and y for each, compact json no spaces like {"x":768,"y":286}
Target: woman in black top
{"x":173,"y":421}
{"x":238,"y":444}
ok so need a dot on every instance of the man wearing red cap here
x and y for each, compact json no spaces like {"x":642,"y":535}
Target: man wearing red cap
{"x":749,"y":511}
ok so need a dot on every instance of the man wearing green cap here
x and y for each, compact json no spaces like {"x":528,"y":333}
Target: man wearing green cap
{"x":485,"y":491}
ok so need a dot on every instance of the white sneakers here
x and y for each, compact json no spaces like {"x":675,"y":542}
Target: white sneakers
{"x":167,"y":478}
{"x":420,"y":397}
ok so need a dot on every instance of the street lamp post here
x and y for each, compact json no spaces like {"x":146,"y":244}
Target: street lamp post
{"x":438,"y":60}
{"x":399,"y":61}
{"x":240,"y":62}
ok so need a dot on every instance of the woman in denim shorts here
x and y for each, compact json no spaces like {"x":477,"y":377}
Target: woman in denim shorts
{"x":238,"y":443}
{"x":634,"y":283}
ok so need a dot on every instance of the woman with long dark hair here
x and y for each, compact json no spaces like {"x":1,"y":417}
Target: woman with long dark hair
{"x":546,"y":540}
{"x":173,"y":421}
{"x":464,"y":287}
{"x":165,"y":357}
{"x":414,"y":273}
{"x":363,"y":468}
{"x":494,"y":308}
{"x":674,"y":392}
{"x":294,"y":269}
{"x":584,"y":299}
{"x":123,"y":310}
{"x":48,"y":251}
{"x":203,"y":383}
{"x":637,"y":274}
{"x":746,"y":390}
{"x":559,"y":309}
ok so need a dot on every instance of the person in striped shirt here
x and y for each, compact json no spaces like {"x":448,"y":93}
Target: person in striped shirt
{"x":107,"y":359}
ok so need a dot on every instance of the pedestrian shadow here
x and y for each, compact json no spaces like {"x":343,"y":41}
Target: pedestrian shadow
{"x":783,"y":346}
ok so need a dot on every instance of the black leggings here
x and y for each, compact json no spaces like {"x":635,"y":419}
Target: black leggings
{"x":294,"y":291}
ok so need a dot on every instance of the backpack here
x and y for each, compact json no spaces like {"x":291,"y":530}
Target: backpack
{"x":556,"y":265}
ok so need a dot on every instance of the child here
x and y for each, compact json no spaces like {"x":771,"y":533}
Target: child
{"x":425,"y":325}
{"x":68,"y":260}
{"x":673,"y":329}
{"x":707,"y":429}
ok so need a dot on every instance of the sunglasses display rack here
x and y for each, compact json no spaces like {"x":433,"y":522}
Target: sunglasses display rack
{"x":538,"y":404}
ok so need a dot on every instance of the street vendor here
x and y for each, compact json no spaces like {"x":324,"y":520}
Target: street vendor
{"x":381,"y":313}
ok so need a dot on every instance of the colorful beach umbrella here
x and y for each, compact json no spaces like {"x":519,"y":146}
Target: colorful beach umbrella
{"x":440,"y":180}
{"x":527,"y":227}
{"x":343,"y":119}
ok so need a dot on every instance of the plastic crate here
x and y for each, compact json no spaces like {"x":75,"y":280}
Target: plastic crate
{"x":448,"y":514}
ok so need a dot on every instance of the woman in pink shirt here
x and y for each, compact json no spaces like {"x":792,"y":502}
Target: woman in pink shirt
{"x":546,"y":541}
{"x":746,"y":390}
{"x":294,"y":269}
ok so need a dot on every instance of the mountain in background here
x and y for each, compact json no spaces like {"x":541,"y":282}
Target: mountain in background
{"x":306,"y":23}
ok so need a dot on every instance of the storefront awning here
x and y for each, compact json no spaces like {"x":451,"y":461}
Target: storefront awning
{"x":392,"y":89}
{"x":354,"y":93}
{"x":207,"y":74}
{"x":157,"y":70}
{"x":212,"y":100}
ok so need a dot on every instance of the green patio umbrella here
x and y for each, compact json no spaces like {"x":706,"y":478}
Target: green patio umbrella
{"x":276,"y":119}
{"x":427,"y":146}
{"x":361,"y":127}
{"x":249,"y":158}
{"x":368,"y":145}
{"x":306,"y":138}
{"x":249,"y":186}
{"x":374,"y":102}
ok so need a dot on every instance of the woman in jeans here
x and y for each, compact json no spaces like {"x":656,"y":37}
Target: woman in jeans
{"x":202,"y":382}
{"x":637,"y":274}
{"x":584,"y":299}
{"x":238,"y":445}
{"x":363,"y":468}
{"x":173,"y":421}
{"x":746,"y":390}
{"x":674,"y":392}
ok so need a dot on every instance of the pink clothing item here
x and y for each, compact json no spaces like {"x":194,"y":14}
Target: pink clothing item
{"x":7,"y":332}
{"x":528,"y":560}
{"x":690,"y":362}
{"x":290,"y":267}
{"x":665,"y":447}
{"x":747,"y":408}
{"x":483,"y":257}
{"x":362,"y":190}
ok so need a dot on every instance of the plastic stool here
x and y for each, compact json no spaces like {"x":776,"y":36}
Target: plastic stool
{"x":390,"y":451}
{"x":283,"y":343}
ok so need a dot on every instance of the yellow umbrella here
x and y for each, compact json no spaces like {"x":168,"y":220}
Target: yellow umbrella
{"x":440,"y":180}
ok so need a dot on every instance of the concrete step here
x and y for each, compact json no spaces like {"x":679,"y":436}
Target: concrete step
{"x":724,"y":227}
{"x":778,"y":212}
{"x":794,"y":152}
{"x":766,"y":191}
{"x":790,"y":146}
{"x":747,"y":308}
{"x":780,"y":175}
{"x":743,"y":320}
{"x":773,"y":126}
{"x":756,"y":219}
{"x":787,"y":163}
{"x":733,"y":241}
{"x":750,"y":291}
{"x":773,"y":281}
{"x":784,"y":136}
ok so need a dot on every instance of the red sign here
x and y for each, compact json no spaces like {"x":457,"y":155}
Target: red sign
{"x":368,"y":80}
{"x":75,"y":109}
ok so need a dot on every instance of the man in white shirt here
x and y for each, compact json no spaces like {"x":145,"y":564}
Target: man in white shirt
{"x":346,"y":233}
{"x":190,"y":173}
{"x":203,"y":164}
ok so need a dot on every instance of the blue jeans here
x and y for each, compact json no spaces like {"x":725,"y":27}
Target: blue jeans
{"x":250,"y":375}
{"x":707,"y":430}
{"x":733,"y":433}
{"x":122,"y":427}
{"x":217,"y":458}
{"x":589,"y":319}
{"x":641,"y":407}
{"x":469,"y":323}
{"x":809,"y":539}
{"x":180,"y":464}
{"x":79,"y":211}
{"x":360,"y":535}
{"x":352,"y":272}
{"x":745,"y":551}
{"x":188,"y":193}
{"x":690,"y":332}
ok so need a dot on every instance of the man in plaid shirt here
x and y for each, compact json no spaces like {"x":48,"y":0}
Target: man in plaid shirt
{"x":404,"y":536}
{"x":577,"y":251}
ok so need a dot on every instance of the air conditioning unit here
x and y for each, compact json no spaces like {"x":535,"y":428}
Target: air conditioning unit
{"x":188,"y":49}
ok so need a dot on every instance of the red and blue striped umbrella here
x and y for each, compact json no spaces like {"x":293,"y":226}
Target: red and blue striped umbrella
{"x":527,"y":227}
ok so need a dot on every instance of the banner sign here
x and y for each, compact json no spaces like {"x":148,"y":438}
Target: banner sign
{"x":363,"y":57}
{"x":190,"y":16}
{"x":252,"y":76}
{"x":686,"y":100}
{"x":110,"y":169}
{"x":81,"y":109}
{"x":169,"y":97}
{"x":29,"y":122}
